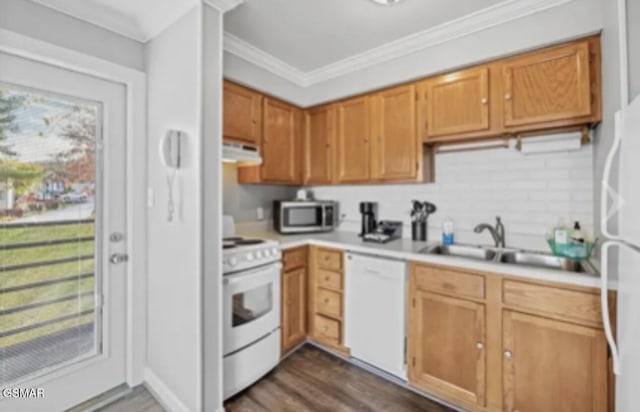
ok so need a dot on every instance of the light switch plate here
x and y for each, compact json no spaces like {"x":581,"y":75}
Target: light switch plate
{"x":151,"y":200}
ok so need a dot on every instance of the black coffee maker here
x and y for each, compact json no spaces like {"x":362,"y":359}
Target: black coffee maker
{"x":368,"y":210}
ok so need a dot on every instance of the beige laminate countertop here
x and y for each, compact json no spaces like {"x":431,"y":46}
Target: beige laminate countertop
{"x":406,"y":249}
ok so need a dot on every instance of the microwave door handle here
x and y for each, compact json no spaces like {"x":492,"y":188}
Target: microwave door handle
{"x":323,"y":224}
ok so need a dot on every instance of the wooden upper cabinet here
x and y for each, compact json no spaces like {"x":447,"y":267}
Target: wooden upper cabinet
{"x":353,"y":154}
{"x":294,"y":308}
{"x":319,"y":145}
{"x":280,"y":142}
{"x":457,"y":103}
{"x":394,"y":146}
{"x":446,"y":340}
{"x":547,"y":86}
{"x":242,"y":114}
{"x":553,"y":366}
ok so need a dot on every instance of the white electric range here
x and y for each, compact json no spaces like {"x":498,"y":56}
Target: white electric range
{"x":251,"y":298}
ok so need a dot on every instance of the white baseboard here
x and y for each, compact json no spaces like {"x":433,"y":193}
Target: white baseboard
{"x":162,"y":393}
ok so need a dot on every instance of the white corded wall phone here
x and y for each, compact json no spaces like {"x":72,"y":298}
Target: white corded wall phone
{"x":171,"y":156}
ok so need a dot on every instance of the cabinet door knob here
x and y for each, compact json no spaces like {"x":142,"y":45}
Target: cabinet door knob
{"x":507,"y":96}
{"x":508,"y":354}
{"x":484,"y":100}
{"x":289,"y":302}
{"x":480,"y":345}
{"x":326,"y":278}
{"x":324,"y":329}
{"x":326,"y":300}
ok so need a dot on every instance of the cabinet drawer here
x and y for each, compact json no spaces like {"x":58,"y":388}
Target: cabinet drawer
{"x":329,"y":280}
{"x":294,"y":258}
{"x":327,"y":329}
{"x":548,"y":300}
{"x":329,"y":303}
{"x":449,"y":281}
{"x":330,"y":259}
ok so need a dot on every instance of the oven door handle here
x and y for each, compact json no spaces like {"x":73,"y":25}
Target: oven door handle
{"x":251,"y":275}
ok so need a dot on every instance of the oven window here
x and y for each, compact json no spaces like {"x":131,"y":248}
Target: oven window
{"x":303,"y":216}
{"x":252,"y":304}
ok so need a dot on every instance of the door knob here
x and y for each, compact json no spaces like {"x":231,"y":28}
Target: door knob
{"x":508,"y":354}
{"x":480,"y":345}
{"x":118,"y":258}
{"x":116,"y":237}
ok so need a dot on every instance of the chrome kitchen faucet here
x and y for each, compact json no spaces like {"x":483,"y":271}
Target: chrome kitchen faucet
{"x":497,"y":233}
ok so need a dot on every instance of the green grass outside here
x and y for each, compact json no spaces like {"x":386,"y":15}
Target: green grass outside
{"x":28,"y":276}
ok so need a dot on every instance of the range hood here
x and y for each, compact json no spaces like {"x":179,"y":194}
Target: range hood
{"x":242,"y":154}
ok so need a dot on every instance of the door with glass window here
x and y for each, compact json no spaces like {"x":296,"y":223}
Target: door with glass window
{"x":62,"y":242}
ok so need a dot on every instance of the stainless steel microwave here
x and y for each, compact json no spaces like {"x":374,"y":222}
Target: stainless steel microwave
{"x":304,"y":216}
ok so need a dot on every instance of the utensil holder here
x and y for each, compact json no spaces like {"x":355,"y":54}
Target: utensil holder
{"x":419,"y":231}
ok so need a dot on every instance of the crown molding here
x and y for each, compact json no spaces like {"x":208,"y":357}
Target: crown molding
{"x":154,"y":22}
{"x":264,"y":60}
{"x":496,"y":15}
{"x":224,"y":5}
{"x":98,"y":15}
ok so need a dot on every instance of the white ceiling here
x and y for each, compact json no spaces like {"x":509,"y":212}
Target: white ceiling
{"x":311,"y":41}
{"x":309,"y":34}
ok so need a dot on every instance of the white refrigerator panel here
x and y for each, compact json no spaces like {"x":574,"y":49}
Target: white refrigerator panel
{"x":630,"y":174}
{"x":628,"y":395}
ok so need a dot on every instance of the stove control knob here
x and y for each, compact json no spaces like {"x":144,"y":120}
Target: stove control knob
{"x":259,"y":254}
{"x":249,"y":257}
{"x":232,"y":261}
{"x":274,"y":251}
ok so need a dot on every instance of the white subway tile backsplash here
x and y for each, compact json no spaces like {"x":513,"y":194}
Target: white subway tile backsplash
{"x":530,"y":193}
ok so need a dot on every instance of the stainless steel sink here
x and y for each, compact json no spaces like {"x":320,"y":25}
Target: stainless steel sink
{"x":540,"y":260}
{"x":462,"y":251}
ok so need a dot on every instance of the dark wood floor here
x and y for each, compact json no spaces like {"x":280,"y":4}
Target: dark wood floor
{"x":308,"y":380}
{"x":313,"y":380}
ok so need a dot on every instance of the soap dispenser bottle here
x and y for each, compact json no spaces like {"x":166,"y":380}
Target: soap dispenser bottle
{"x":447,"y":232}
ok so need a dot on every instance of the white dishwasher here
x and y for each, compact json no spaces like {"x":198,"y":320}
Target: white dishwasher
{"x":375,"y":318}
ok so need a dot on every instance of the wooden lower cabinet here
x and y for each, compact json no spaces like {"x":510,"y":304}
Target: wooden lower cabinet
{"x":294,"y":325}
{"x":293,"y":310}
{"x":326,"y":297}
{"x":487,"y":342}
{"x":446,"y":346}
{"x":553,"y":365}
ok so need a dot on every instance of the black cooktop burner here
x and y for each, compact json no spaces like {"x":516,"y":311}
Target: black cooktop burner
{"x":249,"y":242}
{"x":231,"y":242}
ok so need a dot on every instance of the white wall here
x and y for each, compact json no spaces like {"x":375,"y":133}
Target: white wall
{"x":530,"y":193}
{"x":34,"y":20}
{"x":174,"y":349}
{"x":241,"y":201}
{"x":212,"y":208}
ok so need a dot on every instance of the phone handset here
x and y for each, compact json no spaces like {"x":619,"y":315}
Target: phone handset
{"x":170,"y":153}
